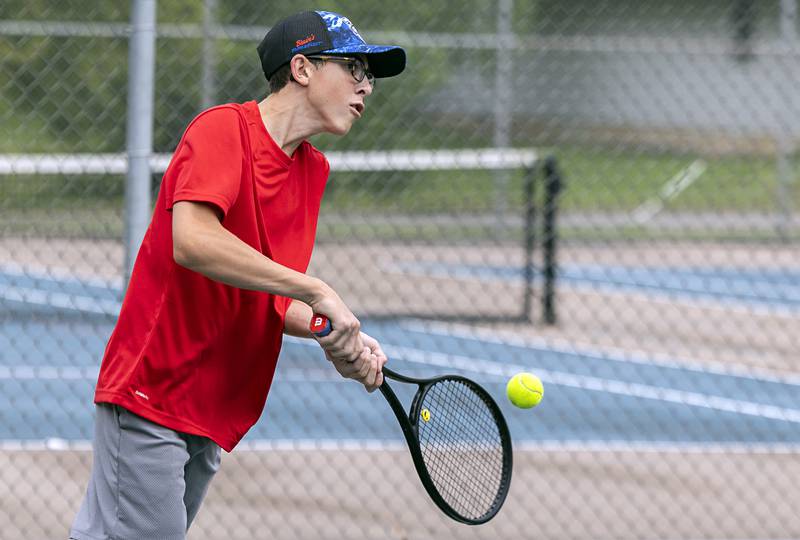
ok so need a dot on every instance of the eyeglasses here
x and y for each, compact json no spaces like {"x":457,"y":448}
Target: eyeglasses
{"x":354,"y":65}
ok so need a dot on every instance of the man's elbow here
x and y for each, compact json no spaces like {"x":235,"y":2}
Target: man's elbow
{"x":185,"y":251}
{"x":193,"y":226}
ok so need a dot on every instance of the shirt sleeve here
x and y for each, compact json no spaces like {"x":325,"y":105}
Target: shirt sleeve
{"x":207,"y":165}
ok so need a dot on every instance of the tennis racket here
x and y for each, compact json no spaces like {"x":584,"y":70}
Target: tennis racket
{"x":458,"y":438}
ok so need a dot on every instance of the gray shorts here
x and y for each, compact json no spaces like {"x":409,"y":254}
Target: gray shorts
{"x":147,"y":481}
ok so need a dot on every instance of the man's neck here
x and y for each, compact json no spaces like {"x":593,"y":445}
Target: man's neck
{"x":286,"y":121}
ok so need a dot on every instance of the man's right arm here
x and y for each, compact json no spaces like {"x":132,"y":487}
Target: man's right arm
{"x":202,"y":244}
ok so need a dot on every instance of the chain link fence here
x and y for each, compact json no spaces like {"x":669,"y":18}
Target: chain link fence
{"x":669,"y":357}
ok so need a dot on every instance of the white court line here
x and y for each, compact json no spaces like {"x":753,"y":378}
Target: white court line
{"x":499,"y":337}
{"x":501,"y":370}
{"x":71,"y":301}
{"x":74,"y":373}
{"x":45,"y":445}
{"x":584,"y":382}
{"x":78,"y":302}
{"x":381,"y":445}
{"x":485,"y":367}
{"x":48,"y":373}
{"x":608,"y":386}
{"x":58,"y":274}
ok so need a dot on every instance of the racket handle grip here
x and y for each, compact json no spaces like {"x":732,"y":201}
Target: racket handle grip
{"x":320,"y":325}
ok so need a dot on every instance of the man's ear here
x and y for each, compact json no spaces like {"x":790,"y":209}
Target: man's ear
{"x":301,"y":68}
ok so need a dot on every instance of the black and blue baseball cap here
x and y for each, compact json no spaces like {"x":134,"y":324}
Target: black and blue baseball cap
{"x":325,"y":32}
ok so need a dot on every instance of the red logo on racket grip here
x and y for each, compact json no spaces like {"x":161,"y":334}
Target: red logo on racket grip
{"x":319,"y":323}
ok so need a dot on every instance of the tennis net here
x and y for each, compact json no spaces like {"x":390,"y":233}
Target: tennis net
{"x":442,"y":234}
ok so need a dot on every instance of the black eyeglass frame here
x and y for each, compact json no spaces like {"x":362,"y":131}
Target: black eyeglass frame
{"x":352,"y":64}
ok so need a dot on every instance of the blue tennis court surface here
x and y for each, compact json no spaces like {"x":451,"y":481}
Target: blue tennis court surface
{"x":53,"y":332}
{"x":747,"y":286}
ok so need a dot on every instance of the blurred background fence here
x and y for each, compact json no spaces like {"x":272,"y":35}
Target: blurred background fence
{"x":671,"y":371}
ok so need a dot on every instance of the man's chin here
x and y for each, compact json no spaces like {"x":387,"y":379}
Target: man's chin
{"x":340,"y":130}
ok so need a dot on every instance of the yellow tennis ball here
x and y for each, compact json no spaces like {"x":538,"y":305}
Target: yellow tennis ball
{"x":525,"y":390}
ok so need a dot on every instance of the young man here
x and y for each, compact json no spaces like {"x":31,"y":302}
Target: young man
{"x":218,"y":279}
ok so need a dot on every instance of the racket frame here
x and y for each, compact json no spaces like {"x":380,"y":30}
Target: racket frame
{"x":321,"y":327}
{"x":409,"y":422}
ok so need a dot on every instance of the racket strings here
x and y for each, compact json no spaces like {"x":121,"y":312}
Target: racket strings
{"x":462,"y":447}
{"x":465,"y":477}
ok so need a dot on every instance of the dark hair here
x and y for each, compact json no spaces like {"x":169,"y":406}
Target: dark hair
{"x":283,"y":75}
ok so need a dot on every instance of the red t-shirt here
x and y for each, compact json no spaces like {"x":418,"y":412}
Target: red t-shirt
{"x":194,"y":354}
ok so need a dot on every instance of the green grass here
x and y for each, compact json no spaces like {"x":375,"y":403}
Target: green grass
{"x":451,"y":233}
{"x":448,"y":192}
{"x":597,"y":181}
{"x":603,"y":180}
{"x":64,"y":221}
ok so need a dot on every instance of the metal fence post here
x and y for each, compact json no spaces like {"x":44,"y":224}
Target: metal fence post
{"x":141,"y":85}
{"x":529,"y":239}
{"x":783,"y":139}
{"x":552,"y":187}
{"x":209,"y":90}
{"x":503,"y":101}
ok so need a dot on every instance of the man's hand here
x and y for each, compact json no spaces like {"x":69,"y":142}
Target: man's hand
{"x":366,"y":368}
{"x":375,"y":350}
{"x":344,"y":343}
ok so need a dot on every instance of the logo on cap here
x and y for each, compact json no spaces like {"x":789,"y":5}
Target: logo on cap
{"x":306,"y":41}
{"x":335,"y":22}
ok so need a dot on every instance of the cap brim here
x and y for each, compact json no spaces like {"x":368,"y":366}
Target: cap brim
{"x":384,"y":60}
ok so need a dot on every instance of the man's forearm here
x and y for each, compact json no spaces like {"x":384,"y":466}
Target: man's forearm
{"x":204,"y":246}
{"x":298,"y":317}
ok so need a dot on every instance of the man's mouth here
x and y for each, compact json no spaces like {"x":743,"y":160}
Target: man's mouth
{"x":358,"y":108}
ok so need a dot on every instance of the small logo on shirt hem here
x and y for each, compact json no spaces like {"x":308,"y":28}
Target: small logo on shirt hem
{"x":142,"y":395}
